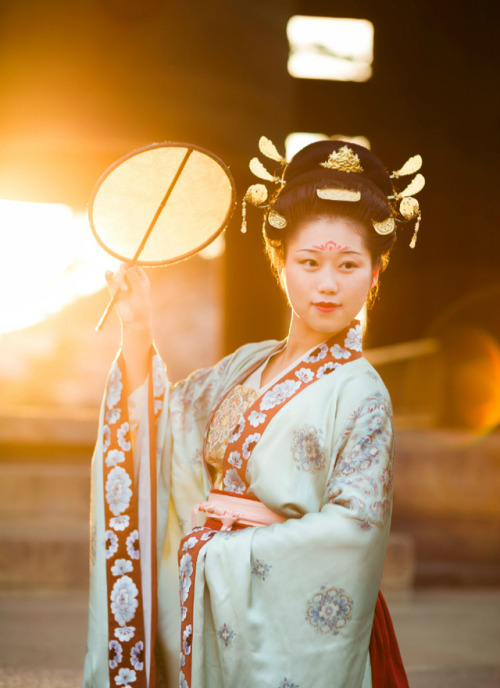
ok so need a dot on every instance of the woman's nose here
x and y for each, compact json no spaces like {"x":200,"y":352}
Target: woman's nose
{"x":328,"y":282}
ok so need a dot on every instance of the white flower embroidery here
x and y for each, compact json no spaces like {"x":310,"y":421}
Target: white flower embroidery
{"x":326,"y":368}
{"x":114,"y":457}
{"x":118,"y":492}
{"x":186,"y":639}
{"x":158,"y":377}
{"x":125,"y":633}
{"x":185,"y":573}
{"x":279,"y":393}
{"x":122,"y":437}
{"x":106,"y":438}
{"x":304,"y":374}
{"x":125,"y":676}
{"x":238,"y":430}
{"x":119,"y":522}
{"x":131,"y":550}
{"x":182,"y":681}
{"x":206,"y":536}
{"x":112,"y":548}
{"x":123,"y":600}
{"x":184,"y":612}
{"x":353,"y":339}
{"x":338,"y":351}
{"x":235,"y":459}
{"x":256,"y":418}
{"x":114,"y":387}
{"x":247,"y":449}
{"x":158,"y":406}
{"x":315,"y":357}
{"x":113,"y":415}
{"x":233,"y":482}
{"x":121,"y":566}
{"x":189,"y":544}
{"x":115,"y":647}
{"x":135,"y":654}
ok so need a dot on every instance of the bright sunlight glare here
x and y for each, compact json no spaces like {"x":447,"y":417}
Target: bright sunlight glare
{"x":50,"y":258}
{"x":330,"y":48}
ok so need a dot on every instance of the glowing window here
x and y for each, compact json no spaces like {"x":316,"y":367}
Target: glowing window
{"x":329,"y":48}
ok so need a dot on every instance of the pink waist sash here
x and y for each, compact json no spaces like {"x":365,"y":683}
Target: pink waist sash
{"x":231,"y":509}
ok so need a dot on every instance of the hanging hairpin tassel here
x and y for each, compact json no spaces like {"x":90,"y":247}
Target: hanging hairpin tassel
{"x":255,"y":194}
{"x":413,"y":241}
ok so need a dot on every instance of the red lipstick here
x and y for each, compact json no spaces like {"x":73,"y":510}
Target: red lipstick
{"x":325,"y":306}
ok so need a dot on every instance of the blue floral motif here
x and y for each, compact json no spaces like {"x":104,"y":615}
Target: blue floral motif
{"x":307,"y":449}
{"x":362,"y":480}
{"x":260,"y":569}
{"x":287,"y":684}
{"x":117,"y":657}
{"x":226,"y":634}
{"x":329,"y":610}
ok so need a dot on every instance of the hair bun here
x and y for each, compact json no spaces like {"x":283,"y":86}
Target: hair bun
{"x":311,"y":158}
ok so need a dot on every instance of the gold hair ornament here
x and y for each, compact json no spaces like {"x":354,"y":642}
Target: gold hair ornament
{"x":385,"y":227}
{"x":409,"y":207}
{"x":276,"y":220}
{"x":257,"y":194}
{"x":344,"y":159}
{"x":332,"y":194}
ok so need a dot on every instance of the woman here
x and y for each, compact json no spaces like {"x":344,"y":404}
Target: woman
{"x":292,"y":444}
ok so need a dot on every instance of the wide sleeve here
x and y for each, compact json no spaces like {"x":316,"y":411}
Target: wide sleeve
{"x":140,"y":480}
{"x":294,"y":601}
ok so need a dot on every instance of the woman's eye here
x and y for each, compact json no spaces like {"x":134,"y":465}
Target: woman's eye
{"x":309,"y":263}
{"x":348,"y":265}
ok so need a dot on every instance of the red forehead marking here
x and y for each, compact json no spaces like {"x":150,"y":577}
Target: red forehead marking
{"x":331,"y":246}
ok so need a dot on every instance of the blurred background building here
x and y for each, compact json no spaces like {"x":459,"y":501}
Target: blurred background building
{"x":84,"y":83}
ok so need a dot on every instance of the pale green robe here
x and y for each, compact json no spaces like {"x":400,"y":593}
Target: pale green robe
{"x":289,"y":605}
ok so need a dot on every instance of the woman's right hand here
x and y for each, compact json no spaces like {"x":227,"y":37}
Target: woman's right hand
{"x":134,"y":299}
{"x":134,"y":309}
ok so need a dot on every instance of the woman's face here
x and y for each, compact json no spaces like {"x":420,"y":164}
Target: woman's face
{"x":327,"y":275}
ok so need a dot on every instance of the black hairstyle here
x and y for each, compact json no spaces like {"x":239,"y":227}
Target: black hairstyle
{"x":297,"y":201}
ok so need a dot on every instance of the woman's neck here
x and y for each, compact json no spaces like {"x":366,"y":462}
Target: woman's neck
{"x":297,"y":344}
{"x":300,"y":340}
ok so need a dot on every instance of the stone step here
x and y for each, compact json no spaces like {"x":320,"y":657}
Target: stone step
{"x":42,"y":553}
{"x":33,"y":490}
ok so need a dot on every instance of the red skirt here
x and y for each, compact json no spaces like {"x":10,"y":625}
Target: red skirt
{"x":385,"y":659}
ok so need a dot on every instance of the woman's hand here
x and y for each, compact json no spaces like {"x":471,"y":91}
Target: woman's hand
{"x":134,"y":310}
{"x":134,"y":299}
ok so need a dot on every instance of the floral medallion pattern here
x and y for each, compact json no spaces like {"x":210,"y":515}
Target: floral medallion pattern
{"x":308,"y":450}
{"x":261,"y":569}
{"x":226,"y":634}
{"x":122,"y":546}
{"x":365,"y":465}
{"x":329,"y":610}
